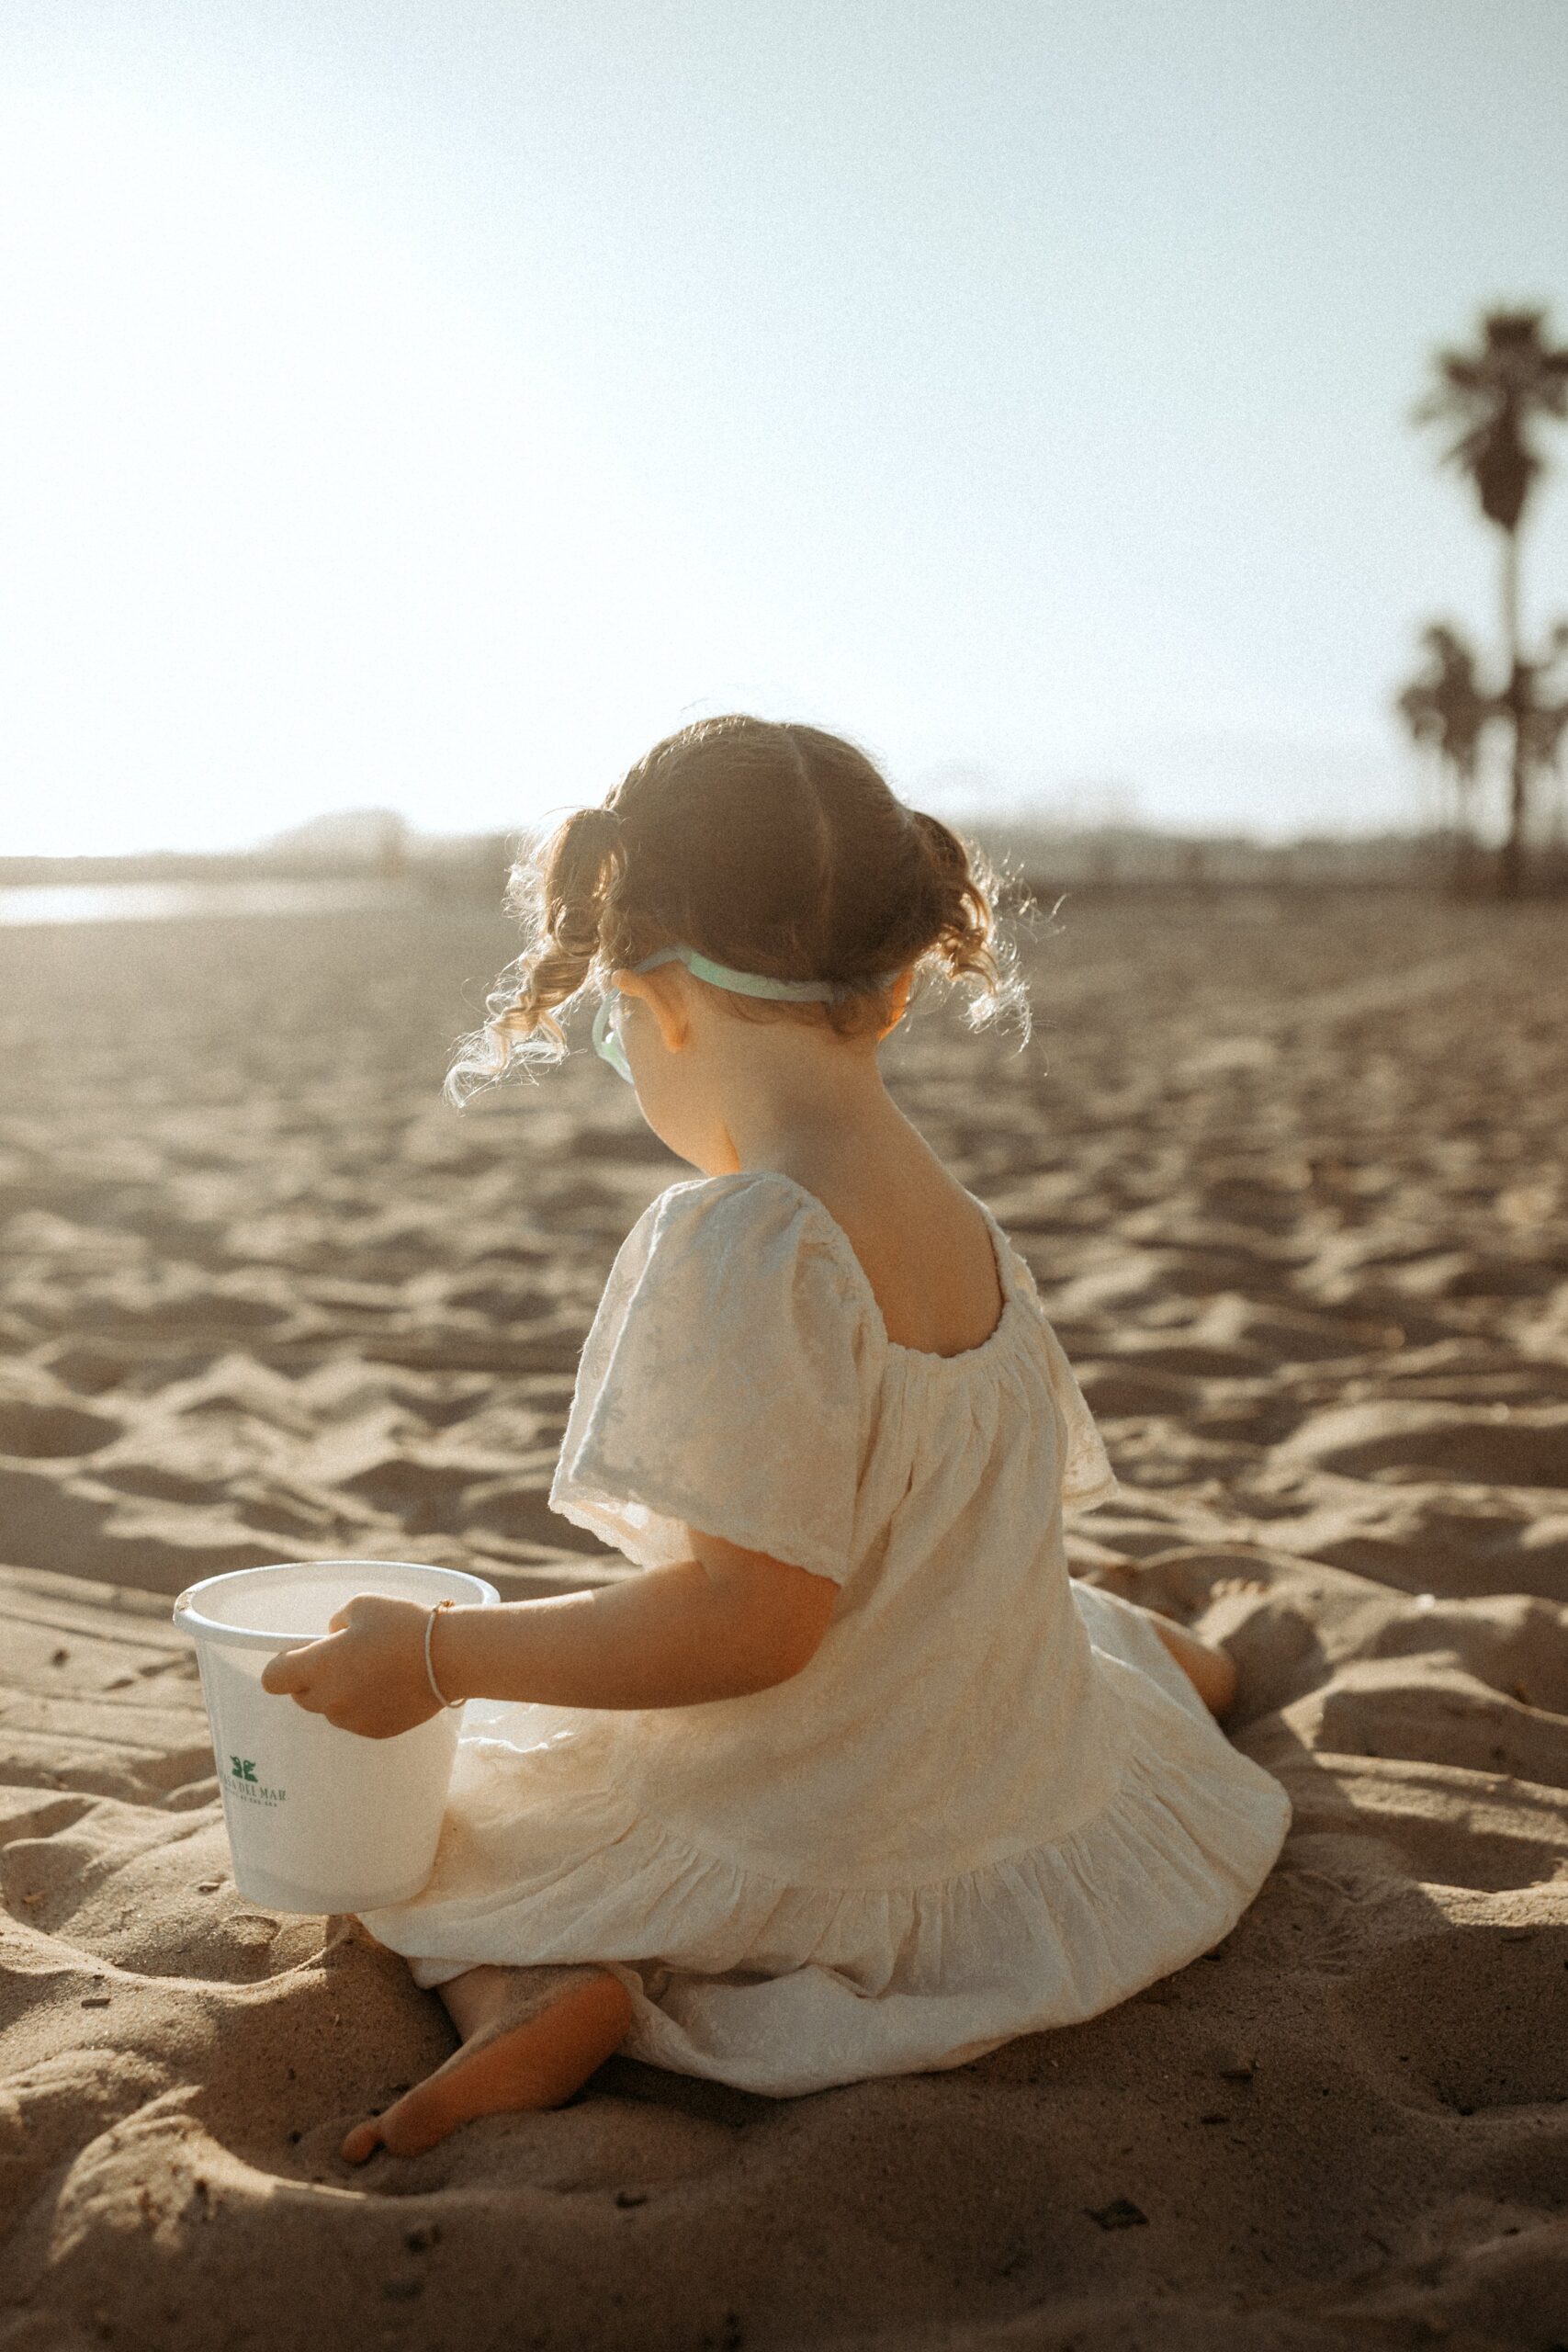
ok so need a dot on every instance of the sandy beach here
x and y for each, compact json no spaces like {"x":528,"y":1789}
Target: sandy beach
{"x":1290,"y":1172}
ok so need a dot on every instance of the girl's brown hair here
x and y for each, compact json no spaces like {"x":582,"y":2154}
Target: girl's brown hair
{"x":769,"y":846}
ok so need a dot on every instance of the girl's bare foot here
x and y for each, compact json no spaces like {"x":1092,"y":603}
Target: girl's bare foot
{"x":531,"y":2037}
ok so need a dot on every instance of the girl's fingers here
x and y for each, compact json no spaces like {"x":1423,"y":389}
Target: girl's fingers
{"x":282,"y":1672}
{"x":345,"y":1693}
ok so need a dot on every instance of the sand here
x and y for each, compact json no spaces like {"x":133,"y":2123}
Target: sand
{"x":1289,"y":1173}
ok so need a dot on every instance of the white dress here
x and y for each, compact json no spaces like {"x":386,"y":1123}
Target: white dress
{"x":991,"y":1802}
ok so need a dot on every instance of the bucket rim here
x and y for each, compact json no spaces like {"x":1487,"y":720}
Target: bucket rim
{"x":190,"y":1618}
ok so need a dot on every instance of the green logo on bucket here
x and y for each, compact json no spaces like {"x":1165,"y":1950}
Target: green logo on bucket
{"x":242,"y":1774}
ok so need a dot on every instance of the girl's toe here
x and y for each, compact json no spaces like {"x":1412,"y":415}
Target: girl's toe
{"x":361,"y":2143}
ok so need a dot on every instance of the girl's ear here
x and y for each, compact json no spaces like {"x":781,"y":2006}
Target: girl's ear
{"x":900,"y":998}
{"x":660,"y":992}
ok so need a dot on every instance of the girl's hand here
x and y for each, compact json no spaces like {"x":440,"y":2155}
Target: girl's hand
{"x":367,"y":1675}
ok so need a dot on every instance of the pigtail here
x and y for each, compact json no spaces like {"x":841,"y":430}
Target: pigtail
{"x":962,"y":892}
{"x":562,"y":890}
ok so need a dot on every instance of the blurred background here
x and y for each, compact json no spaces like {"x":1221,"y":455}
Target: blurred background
{"x":411,"y":414}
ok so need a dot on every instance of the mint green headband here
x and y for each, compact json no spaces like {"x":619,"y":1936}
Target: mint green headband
{"x":606,"y":1040}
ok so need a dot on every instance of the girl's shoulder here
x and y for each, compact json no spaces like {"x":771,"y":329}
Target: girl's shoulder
{"x":763,"y":1198}
{"x":748,"y":1228}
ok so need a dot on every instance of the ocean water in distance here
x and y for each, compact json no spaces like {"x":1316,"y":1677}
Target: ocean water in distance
{"x":51,"y":903}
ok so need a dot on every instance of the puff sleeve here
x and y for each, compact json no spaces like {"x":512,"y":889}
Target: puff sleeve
{"x":1088,"y":1479}
{"x":723,"y":1384}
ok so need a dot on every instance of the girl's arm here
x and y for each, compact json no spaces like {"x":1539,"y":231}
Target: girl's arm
{"x":721,"y":1625}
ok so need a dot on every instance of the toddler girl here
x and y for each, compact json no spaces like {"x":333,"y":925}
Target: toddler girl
{"x":854,"y":1779}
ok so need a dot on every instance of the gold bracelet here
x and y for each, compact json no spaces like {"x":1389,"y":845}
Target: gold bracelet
{"x":429,"y":1625}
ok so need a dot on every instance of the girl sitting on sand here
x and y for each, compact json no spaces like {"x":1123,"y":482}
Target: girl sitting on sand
{"x":854,"y":1780}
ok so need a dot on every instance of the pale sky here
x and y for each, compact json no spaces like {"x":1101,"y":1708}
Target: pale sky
{"x":430,"y":405}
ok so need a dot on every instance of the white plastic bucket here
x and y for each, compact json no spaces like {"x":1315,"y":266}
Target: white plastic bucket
{"x":319,"y":1819}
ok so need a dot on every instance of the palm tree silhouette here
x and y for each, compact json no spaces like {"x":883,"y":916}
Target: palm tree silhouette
{"x":1493,"y":395}
{"x":1546,"y":723}
{"x":1446,"y":708}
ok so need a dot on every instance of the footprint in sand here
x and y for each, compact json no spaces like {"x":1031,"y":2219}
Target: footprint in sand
{"x":1260,"y":1632}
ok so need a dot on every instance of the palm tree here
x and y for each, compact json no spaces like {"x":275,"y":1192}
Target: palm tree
{"x":1546,"y":723}
{"x":1493,"y":396}
{"x":1446,"y":708}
